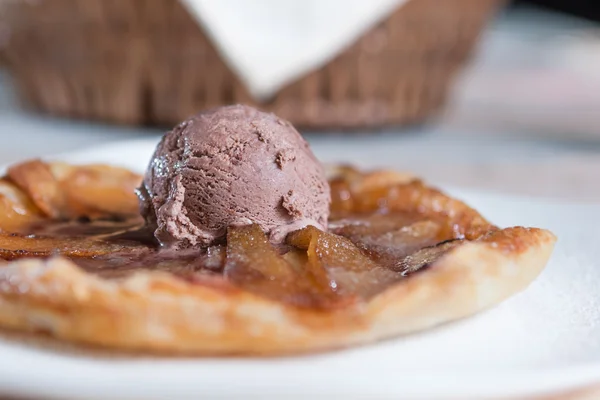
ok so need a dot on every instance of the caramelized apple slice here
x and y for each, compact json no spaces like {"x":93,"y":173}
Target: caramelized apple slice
{"x":98,"y":190}
{"x":461,"y":221}
{"x":426,"y":256}
{"x":36,"y":180}
{"x":189,"y":265}
{"x":347,"y":183}
{"x":379,"y":191}
{"x":74,"y":239}
{"x":372,"y":224}
{"x":253,"y":264}
{"x":16,"y":246}
{"x":16,"y":209}
{"x":349,"y":270}
{"x":63,"y":191}
{"x":388,"y":238}
{"x":342,"y":201}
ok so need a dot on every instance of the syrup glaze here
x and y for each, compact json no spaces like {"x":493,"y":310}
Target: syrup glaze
{"x":360,"y":256}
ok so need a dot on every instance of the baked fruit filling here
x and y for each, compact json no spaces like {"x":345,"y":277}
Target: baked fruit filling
{"x":238,"y":241}
{"x":383,"y":228}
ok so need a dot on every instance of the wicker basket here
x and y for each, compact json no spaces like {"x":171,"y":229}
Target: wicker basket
{"x":124,"y":61}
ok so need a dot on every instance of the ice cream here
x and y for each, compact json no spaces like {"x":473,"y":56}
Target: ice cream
{"x":232,"y":166}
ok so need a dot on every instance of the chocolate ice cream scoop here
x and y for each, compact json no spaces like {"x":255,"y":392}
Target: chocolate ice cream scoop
{"x":232,"y":166}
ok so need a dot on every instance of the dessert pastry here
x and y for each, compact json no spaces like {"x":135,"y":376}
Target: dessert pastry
{"x":393,"y":256}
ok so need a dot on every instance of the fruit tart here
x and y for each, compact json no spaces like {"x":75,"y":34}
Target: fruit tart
{"x":237,"y":241}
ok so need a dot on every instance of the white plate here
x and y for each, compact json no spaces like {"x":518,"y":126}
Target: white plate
{"x":542,"y":340}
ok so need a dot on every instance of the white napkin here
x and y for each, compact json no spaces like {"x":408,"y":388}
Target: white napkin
{"x":270,"y":43}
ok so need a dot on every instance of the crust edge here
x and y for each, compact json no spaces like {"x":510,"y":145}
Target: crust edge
{"x":156,"y":312}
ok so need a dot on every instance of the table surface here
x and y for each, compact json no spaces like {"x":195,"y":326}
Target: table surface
{"x":538,"y":143}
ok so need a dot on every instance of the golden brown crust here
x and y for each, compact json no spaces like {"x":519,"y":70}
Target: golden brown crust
{"x":158,"y":312}
{"x":154,"y":311}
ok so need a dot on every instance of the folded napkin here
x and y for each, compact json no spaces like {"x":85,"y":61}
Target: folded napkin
{"x":270,"y":43}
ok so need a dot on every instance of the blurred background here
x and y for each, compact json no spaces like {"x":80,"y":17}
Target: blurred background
{"x":486,"y":94}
